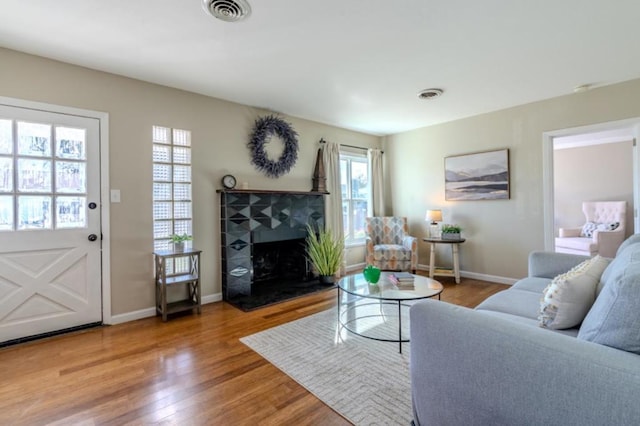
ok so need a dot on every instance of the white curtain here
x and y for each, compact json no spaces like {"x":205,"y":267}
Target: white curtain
{"x":333,"y":202}
{"x":376,"y":195}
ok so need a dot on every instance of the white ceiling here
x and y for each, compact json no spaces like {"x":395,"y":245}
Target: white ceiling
{"x":357,"y":64}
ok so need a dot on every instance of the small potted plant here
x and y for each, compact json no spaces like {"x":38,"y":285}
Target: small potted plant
{"x":325,"y":253}
{"x":450,"y":232}
{"x":178,"y":241}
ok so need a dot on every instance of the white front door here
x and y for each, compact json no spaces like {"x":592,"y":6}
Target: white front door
{"x":50,"y":240}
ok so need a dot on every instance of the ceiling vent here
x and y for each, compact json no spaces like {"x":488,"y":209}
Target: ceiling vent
{"x":227,"y":10}
{"x":430,"y":93}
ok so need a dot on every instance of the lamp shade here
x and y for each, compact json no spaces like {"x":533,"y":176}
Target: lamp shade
{"x":434,"y":215}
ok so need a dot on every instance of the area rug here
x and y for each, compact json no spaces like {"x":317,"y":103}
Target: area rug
{"x":364,"y":380}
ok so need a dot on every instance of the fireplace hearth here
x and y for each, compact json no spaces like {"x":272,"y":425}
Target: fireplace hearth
{"x":263,"y":240}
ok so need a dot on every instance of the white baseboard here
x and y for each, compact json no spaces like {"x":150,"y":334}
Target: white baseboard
{"x":490,"y":278}
{"x":151,"y":312}
{"x":356,"y":267}
{"x":477,"y":276}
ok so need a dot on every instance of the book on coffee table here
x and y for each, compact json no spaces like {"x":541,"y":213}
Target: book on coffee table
{"x":403,"y":277}
{"x":402,"y":280}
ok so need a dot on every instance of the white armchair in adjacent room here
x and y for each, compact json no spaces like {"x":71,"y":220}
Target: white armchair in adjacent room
{"x":602,"y":233}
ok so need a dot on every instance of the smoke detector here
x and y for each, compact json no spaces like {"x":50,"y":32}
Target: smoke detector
{"x":430,"y":93}
{"x":227,"y":10}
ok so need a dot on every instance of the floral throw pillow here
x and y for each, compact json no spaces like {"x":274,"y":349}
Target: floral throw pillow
{"x":588,"y":228}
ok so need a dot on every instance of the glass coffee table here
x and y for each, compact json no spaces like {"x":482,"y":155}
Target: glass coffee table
{"x":375,"y":311}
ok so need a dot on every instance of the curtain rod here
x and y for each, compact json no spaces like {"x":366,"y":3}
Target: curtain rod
{"x":348,"y":146}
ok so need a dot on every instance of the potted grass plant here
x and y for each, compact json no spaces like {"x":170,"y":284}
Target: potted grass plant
{"x":324,"y":251}
{"x":178,"y":241}
{"x":450,"y":232}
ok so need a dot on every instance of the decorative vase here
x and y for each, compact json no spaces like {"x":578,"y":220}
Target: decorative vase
{"x":450,"y":236}
{"x":371,"y":274}
{"x":178,"y":247}
{"x":319,"y":177}
{"x":326,"y":279}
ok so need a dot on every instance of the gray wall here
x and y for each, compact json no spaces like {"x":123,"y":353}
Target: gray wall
{"x":601,"y":172}
{"x":220,"y":131}
{"x":500,"y":234}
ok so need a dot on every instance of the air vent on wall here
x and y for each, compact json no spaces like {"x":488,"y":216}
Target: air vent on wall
{"x":227,"y":10}
{"x":430,"y":93}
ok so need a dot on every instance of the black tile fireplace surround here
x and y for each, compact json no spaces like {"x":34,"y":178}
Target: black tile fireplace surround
{"x":262,"y":244}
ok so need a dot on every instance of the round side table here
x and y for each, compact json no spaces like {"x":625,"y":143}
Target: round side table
{"x":453,"y":272}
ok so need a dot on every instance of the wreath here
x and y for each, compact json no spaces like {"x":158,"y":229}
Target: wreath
{"x":263,"y":130}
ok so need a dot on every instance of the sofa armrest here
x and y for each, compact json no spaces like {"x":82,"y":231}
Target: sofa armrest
{"x":546,"y":264}
{"x":472,"y":368}
{"x":569,"y":232}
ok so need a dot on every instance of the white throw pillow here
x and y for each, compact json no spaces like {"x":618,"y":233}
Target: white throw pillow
{"x":589,"y":227}
{"x":567,"y":299}
{"x":611,"y":226}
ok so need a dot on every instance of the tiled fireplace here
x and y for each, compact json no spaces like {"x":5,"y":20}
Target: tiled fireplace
{"x":262,"y":244}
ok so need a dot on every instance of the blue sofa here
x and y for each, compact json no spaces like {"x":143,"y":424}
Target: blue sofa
{"x":494,"y":365}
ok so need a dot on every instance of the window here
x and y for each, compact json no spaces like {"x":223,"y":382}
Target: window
{"x":171,"y":186}
{"x":43,"y":176}
{"x":354,"y":180}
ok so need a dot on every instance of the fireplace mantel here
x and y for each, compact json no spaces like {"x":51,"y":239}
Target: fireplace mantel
{"x":269,"y":191}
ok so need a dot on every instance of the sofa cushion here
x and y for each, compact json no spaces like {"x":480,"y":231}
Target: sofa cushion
{"x":522,"y":303}
{"x":571,"y":332}
{"x":569,"y":296}
{"x":614,"y":319}
{"x":619,"y":262}
{"x":534,"y":284}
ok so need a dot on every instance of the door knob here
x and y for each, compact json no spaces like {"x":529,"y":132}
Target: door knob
{"x":93,"y":237}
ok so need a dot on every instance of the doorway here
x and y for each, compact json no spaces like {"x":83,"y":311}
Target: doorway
{"x":51,"y":219}
{"x":587,"y":138}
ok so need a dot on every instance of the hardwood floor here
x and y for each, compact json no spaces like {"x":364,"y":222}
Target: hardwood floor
{"x":191,"y":370}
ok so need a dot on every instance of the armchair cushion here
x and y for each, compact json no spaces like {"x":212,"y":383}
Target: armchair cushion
{"x":569,"y":232}
{"x":391,"y":251}
{"x":578,"y":244}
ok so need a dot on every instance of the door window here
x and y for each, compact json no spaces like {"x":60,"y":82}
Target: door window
{"x":43,"y":176}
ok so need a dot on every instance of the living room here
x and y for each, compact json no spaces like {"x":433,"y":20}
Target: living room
{"x":500,"y":234}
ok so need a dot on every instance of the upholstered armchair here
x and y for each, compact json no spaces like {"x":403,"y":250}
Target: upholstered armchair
{"x":602,"y":233}
{"x":389,"y":245}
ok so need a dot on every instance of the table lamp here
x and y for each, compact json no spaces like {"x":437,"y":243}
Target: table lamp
{"x":434,"y":216}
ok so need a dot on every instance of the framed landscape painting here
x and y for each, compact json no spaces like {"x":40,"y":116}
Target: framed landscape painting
{"x":478,"y":176}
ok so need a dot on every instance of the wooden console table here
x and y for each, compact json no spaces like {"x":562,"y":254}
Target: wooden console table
{"x":189,"y":277}
{"x":447,"y":272}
